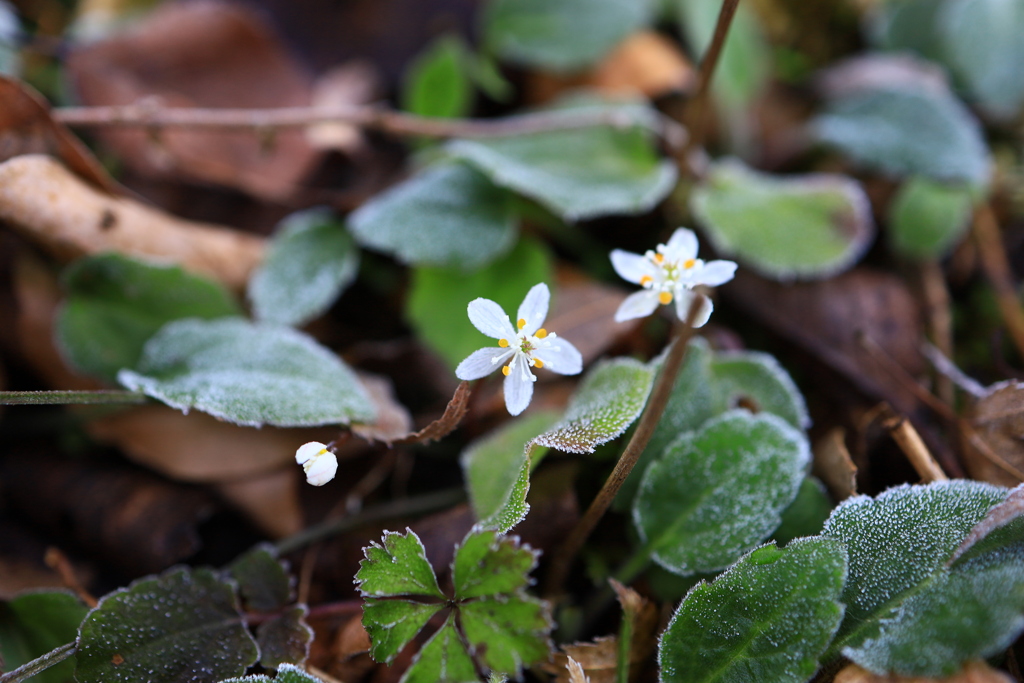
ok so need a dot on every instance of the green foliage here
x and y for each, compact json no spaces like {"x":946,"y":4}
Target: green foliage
{"x":286,"y":674}
{"x":310,"y":262}
{"x":437,"y":300}
{"x":492,"y":620}
{"x":927,"y":219}
{"x":32,"y":624}
{"x":181,"y":625}
{"x":248,"y":374}
{"x":788,"y":227}
{"x":448,"y":215}
{"x":765,"y":620}
{"x":437,"y":83}
{"x":718,"y":491}
{"x":115,"y":303}
{"x":807,"y":514}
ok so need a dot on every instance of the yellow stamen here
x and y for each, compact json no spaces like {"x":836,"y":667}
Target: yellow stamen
{"x":503,"y":343}
{"x":689,"y":263}
{"x":646,"y":280}
{"x":538,"y":362}
{"x":541,"y":333}
{"x":659,"y":258}
{"x":521,"y":323}
{"x":505,"y":370}
{"x":665,"y":297}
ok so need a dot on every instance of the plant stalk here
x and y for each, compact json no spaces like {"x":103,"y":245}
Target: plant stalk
{"x":29,"y":669}
{"x":698,"y":123}
{"x":45,"y":398}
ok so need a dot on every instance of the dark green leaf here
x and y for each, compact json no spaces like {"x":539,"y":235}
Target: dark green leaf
{"x":508,"y":633}
{"x":399,"y":567}
{"x":114,"y":304}
{"x":807,"y":514}
{"x":391,"y":624}
{"x":927,"y":219}
{"x":263,"y":581}
{"x":32,"y":624}
{"x":285,"y":639}
{"x":442,"y":659}
{"x":487,"y":565}
{"x":437,"y":83}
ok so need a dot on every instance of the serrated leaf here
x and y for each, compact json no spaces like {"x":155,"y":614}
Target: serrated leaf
{"x":399,"y":567}
{"x":263,"y":582}
{"x":765,"y":620}
{"x":32,"y":624}
{"x":913,"y":131}
{"x":285,"y":639}
{"x":497,"y":470}
{"x":447,"y":215}
{"x":507,"y":633}
{"x":391,"y":624}
{"x":248,"y":374}
{"x":437,"y":83}
{"x":927,"y":219}
{"x":561,"y":35}
{"x":785,"y":227}
{"x":807,"y":514}
{"x":115,"y":303}
{"x":183,"y":625}
{"x":576,"y":173}
{"x":285,"y":674}
{"x":897,"y":542}
{"x":608,"y":400}
{"x":719,"y":491}
{"x":442,"y":659}
{"x":436,"y":305}
{"x":311,"y":261}
{"x":486,"y":565}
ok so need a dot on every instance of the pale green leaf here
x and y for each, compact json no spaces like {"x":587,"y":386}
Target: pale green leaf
{"x":248,"y":374}
{"x":437,"y":82}
{"x":34,"y":623}
{"x":786,"y":227}
{"x":489,"y":564}
{"x":927,"y":218}
{"x":442,"y":659}
{"x":399,"y":567}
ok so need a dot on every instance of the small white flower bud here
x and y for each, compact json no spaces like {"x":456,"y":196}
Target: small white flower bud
{"x":319,"y":463}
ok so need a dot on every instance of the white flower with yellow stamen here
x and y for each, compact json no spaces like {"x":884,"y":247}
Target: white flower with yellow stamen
{"x":669,"y":274}
{"x":319,"y":463}
{"x":525,"y":346}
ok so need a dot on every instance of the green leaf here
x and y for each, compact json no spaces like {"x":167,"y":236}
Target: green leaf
{"x":807,"y":514}
{"x":437,"y":83}
{"x":561,"y":35}
{"x":576,"y":173}
{"x":114,"y":304}
{"x":447,"y":215}
{"x":807,"y":226}
{"x":438,"y":297}
{"x":248,"y":374}
{"x":767,"y":619}
{"x":909,"y":25}
{"x":181,"y":625}
{"x":896,"y":543}
{"x":263,"y":581}
{"x":507,"y":632}
{"x":486,"y":564}
{"x":719,"y":491}
{"x":497,"y":470}
{"x":310,"y":262}
{"x":927,"y":219}
{"x":399,"y":567}
{"x":285,"y":674}
{"x":610,"y":397}
{"x":442,"y":659}
{"x":912,"y":131}
{"x":392,"y":624}
{"x":32,"y":624}
{"x":285,"y":639}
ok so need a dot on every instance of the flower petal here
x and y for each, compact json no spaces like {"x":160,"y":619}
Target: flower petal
{"x":715,"y":273}
{"x":632,"y":267}
{"x":534,"y":308}
{"x":637,"y":305}
{"x":681,"y":246}
{"x":489,"y":318}
{"x":561,"y":357}
{"x":684,"y":297}
{"x":481,"y":363}
{"x":308,"y":450}
{"x":518,"y":388}
{"x":321,"y":469}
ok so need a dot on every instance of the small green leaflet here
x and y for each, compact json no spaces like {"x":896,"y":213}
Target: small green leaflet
{"x":437,"y":82}
{"x":927,"y":219}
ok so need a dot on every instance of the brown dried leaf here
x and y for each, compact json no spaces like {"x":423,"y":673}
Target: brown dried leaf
{"x":994,"y":435}
{"x":393,"y":420}
{"x":201,"y":54}
{"x":271,"y":501}
{"x":834,"y":465}
{"x":583,"y":310}
{"x":351,"y":84}
{"x":973,"y":672}
{"x":598,"y":659}
{"x":575,"y":670}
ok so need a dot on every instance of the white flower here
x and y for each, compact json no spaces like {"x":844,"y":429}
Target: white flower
{"x":669,"y":274}
{"x":319,"y":463}
{"x":525,"y":346}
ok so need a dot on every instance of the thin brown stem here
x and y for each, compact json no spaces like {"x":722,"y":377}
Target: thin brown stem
{"x":698,"y":123}
{"x":997,"y":268}
{"x":910,"y":442}
{"x":940,"y":321}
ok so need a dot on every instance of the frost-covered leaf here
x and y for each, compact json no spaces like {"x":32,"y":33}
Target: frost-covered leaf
{"x":486,"y":564}
{"x":399,"y":567}
{"x":576,"y":173}
{"x":391,"y":624}
{"x":1001,"y":527}
{"x":786,"y":227}
{"x":897,"y":543}
{"x":183,"y":625}
{"x":249,"y":374}
{"x":438,"y":297}
{"x":497,"y":470}
{"x":561,"y":35}
{"x":447,"y":215}
{"x":608,"y":400}
{"x":442,"y":659}
{"x":437,"y":83}
{"x":285,"y":639}
{"x":507,"y":632}
{"x":911,"y":131}
{"x":766,"y":620}
{"x":719,"y":491}
{"x":807,"y":514}
{"x":287,"y":673}
{"x":115,"y":303}
{"x":263,"y":581}
{"x":310,"y":262}
{"x":927,"y":218}
{"x":32,"y":624}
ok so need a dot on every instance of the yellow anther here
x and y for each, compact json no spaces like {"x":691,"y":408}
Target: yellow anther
{"x":689,"y":263}
{"x":659,"y":258}
{"x":646,"y":280}
{"x":537,"y":362}
{"x":665,"y":297}
{"x":503,"y":343}
{"x":505,"y":370}
{"x":541,"y":333}
{"x":521,"y":323}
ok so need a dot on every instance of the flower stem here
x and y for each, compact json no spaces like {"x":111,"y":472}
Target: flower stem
{"x":29,"y":669}
{"x":43,"y":398}
{"x":698,"y":124}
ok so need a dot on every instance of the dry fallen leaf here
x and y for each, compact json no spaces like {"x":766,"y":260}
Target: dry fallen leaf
{"x":973,"y":672}
{"x":583,"y":311}
{"x":351,"y":84}
{"x":270,"y":501}
{"x":834,"y":465}
{"x":994,"y":435}
{"x":393,"y":420}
